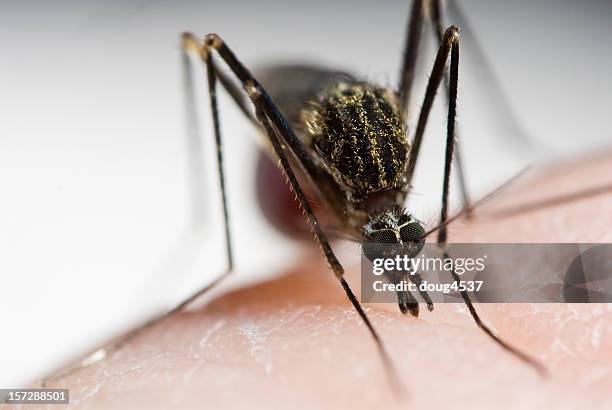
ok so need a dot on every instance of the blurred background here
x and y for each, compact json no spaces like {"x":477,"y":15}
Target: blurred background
{"x":109,"y":213}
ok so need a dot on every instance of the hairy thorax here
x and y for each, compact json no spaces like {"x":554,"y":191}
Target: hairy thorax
{"x":357,"y":134}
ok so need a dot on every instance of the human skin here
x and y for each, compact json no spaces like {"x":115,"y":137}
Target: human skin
{"x":295,"y":341}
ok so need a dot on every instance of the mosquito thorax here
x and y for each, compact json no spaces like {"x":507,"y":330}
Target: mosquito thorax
{"x":357,"y":132}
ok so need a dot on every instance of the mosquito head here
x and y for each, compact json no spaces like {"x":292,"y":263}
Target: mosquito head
{"x":394,"y":226}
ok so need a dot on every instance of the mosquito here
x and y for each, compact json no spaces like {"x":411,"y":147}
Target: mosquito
{"x":349,"y":146}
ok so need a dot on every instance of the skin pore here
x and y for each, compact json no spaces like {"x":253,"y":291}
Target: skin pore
{"x":295,"y":341}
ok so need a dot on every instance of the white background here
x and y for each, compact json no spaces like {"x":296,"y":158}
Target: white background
{"x":102,"y":223}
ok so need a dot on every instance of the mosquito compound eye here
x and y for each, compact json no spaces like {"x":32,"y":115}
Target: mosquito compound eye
{"x":411,"y":232}
{"x":384,"y":236}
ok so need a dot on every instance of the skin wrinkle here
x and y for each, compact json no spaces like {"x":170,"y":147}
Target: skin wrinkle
{"x":316,"y":346}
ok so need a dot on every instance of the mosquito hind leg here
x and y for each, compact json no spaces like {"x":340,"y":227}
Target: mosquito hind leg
{"x":442,"y":232}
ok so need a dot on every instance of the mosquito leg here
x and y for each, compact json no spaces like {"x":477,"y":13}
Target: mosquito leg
{"x":450,"y":38}
{"x":281,"y":137}
{"x":116,"y":344}
{"x":442,"y":232}
{"x":511,"y":349}
{"x":236,"y":93}
{"x":411,"y":51}
{"x":437,"y":18}
{"x":450,"y":138}
{"x":212,"y":92}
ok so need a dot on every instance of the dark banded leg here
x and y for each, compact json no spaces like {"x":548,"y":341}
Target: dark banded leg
{"x":281,"y":137}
